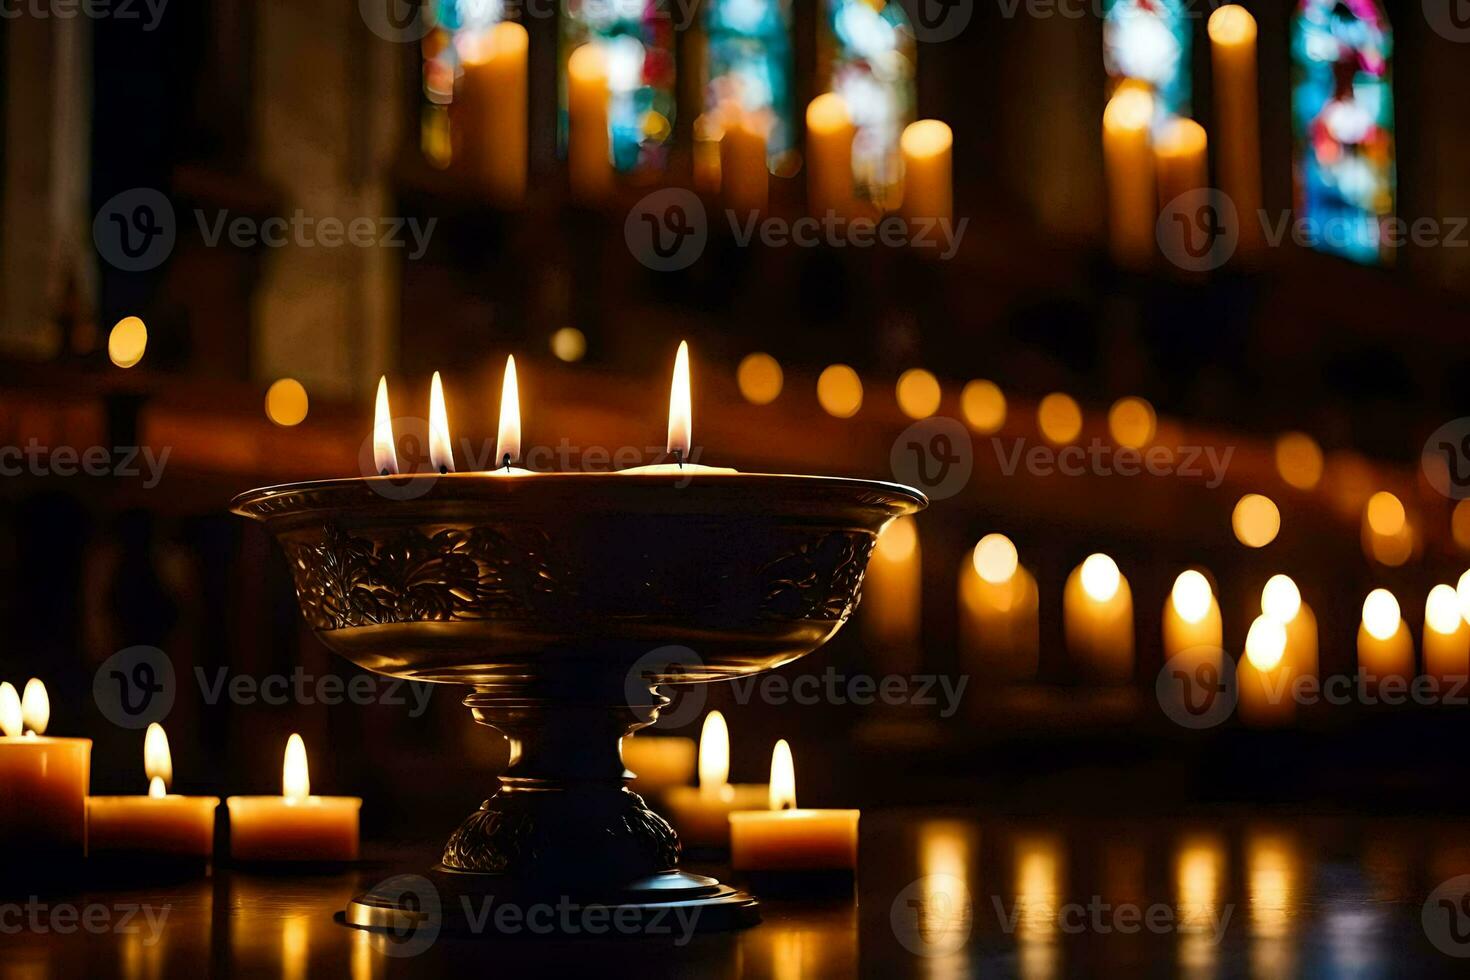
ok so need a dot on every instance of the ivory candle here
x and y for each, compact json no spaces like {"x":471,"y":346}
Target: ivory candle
{"x":890,"y":613}
{"x":701,"y":814}
{"x":707,"y":130}
{"x":589,"y":141}
{"x":829,"y":135}
{"x":1264,"y":677}
{"x":928,"y":192}
{"x":1232,"y":32}
{"x":1282,"y":601}
{"x":1385,"y":648}
{"x":294,"y":826}
{"x":1180,"y":159}
{"x":1129,"y":162}
{"x":43,"y":788}
{"x":785,"y":838}
{"x":491,"y":113}
{"x":745,"y":179}
{"x":1097,"y":613}
{"x":158,"y":823}
{"x":658,"y":762}
{"x":1446,"y":636}
{"x":998,"y":609}
{"x":1192,"y":617}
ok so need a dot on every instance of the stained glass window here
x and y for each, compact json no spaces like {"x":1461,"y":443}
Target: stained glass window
{"x":870,"y":56}
{"x":1342,"y":115}
{"x":456,"y":25}
{"x":749,"y":63}
{"x":1148,"y":41}
{"x":637,"y":41}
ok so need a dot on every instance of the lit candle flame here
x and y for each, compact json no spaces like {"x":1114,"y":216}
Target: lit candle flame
{"x":1265,"y":642}
{"x":441,"y":452}
{"x":783,"y":778}
{"x":158,"y":762}
{"x":508,"y":441}
{"x":1100,"y":578}
{"x":156,"y":789}
{"x":681,"y":414}
{"x":714,"y":754}
{"x":35,"y":706}
{"x":11,"y":722}
{"x":385,"y":456}
{"x":1191,"y":596}
{"x":295,"y":775}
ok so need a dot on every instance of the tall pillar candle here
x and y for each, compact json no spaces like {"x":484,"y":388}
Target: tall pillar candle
{"x":928,"y":170}
{"x":1232,"y":32}
{"x":491,"y":112}
{"x":1264,"y":678}
{"x":1180,"y":159}
{"x":1385,"y":648}
{"x":745,"y":179}
{"x":1446,"y":636}
{"x":892,"y":597}
{"x":1097,"y":614}
{"x":1129,"y":161}
{"x":829,"y":135}
{"x":998,"y":610}
{"x":589,"y":146}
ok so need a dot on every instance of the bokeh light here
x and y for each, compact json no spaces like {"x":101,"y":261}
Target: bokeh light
{"x":127,"y":341}
{"x":1381,"y":614}
{"x":1191,"y":596}
{"x":898,"y":540}
{"x":569,"y":344}
{"x":996,"y":559}
{"x":760,"y":378}
{"x":1100,"y":577}
{"x":1265,"y":643}
{"x":1442,"y":610}
{"x":1256,"y":520}
{"x":1460,"y":525}
{"x":286,"y":402}
{"x":1132,"y":422}
{"x":1385,"y":514}
{"x":1281,"y":599}
{"x":918,"y":393}
{"x":1299,"y":460}
{"x":1059,"y":417}
{"x":840,"y":391}
{"x":983,"y":405}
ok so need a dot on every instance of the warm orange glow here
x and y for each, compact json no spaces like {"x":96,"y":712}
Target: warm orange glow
{"x":760,"y":378}
{"x":926,"y":138}
{"x":158,"y":762}
{"x":840,"y":391}
{"x":1265,"y":642}
{"x":681,"y":411}
{"x":11,"y":719}
{"x":587,"y":64}
{"x":1181,"y":138}
{"x":1385,"y":514}
{"x":898,"y":540}
{"x":1232,"y":24}
{"x":827,"y":113}
{"x":1059,"y":417}
{"x":569,"y":344}
{"x":1131,"y":109}
{"x":441,"y":450}
{"x":295,"y":774}
{"x":995,"y":559}
{"x":984,"y":406}
{"x":127,"y":342}
{"x":783,"y":778}
{"x":1381,"y":616}
{"x":505,"y":38}
{"x":1132,"y":422}
{"x":156,"y":789}
{"x":1100,"y":578}
{"x":508,"y":440}
{"x":918,"y":393}
{"x":1298,"y":457}
{"x":1460,"y":525}
{"x":35,"y":707}
{"x":1281,"y":599}
{"x":714,"y":754}
{"x":1462,"y":591}
{"x":1191,"y":596}
{"x":1256,"y":520}
{"x":385,"y":454}
{"x":286,"y":403}
{"x":1442,"y":610}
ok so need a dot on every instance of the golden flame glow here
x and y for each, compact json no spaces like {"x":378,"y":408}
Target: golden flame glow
{"x":926,"y":138}
{"x":286,"y":402}
{"x":158,"y":762}
{"x":995,"y":559}
{"x":1256,"y":520}
{"x":1462,"y":589}
{"x":898,"y":541}
{"x":1442,"y":610}
{"x":1191,"y":596}
{"x":10,"y":715}
{"x":984,"y":406}
{"x":295,"y":774}
{"x":441,"y":450}
{"x":1132,"y":422}
{"x":156,"y":789}
{"x":760,"y":378}
{"x":1265,"y":642}
{"x":918,"y":393}
{"x":1232,"y":24}
{"x":35,"y":706}
{"x":827,"y":113}
{"x":569,"y":344}
{"x":1381,"y":614}
{"x":508,"y":440}
{"x":1059,"y":418}
{"x":1281,"y":599}
{"x":127,"y":341}
{"x":1100,"y":577}
{"x":681,"y":412}
{"x":714,"y":754}
{"x":1298,"y":457}
{"x":783,"y":777}
{"x":1385,"y":514}
{"x":1129,"y":109}
{"x":840,"y":391}
{"x":385,"y":455}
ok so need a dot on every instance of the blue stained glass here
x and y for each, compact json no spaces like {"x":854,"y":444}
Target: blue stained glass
{"x":872,"y":61}
{"x":749,"y":59}
{"x":1149,"y":41}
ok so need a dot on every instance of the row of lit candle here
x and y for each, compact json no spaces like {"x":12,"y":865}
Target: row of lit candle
{"x":490,"y":137}
{"x":45,"y":808}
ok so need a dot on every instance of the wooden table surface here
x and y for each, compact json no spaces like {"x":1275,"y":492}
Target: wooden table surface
{"x":939,"y":894}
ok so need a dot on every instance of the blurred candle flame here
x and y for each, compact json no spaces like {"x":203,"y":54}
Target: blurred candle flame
{"x":1191,"y":596}
{"x":385,"y":456}
{"x":441,"y":451}
{"x":1380,"y":615}
{"x":156,"y":789}
{"x":714,"y":754}
{"x":295,"y":775}
{"x":11,"y":719}
{"x":783,"y":777}
{"x":681,"y":414}
{"x":35,"y":706}
{"x":158,"y":762}
{"x":1281,"y":599}
{"x":508,"y":442}
{"x":1100,"y":577}
{"x":1265,"y":642}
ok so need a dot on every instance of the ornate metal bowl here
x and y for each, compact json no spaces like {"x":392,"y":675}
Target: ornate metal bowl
{"x":564,"y":600}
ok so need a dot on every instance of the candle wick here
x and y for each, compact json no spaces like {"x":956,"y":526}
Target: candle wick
{"x":505,"y":461}
{"x":383,"y":471}
{"x":679,"y":457}
{"x":443,"y":469}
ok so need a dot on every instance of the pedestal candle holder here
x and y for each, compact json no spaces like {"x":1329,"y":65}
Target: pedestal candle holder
{"x":565,"y":601}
